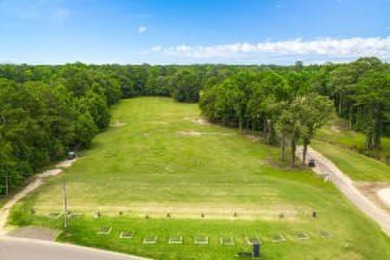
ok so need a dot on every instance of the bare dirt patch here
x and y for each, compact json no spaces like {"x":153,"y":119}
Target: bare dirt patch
{"x":35,"y":233}
{"x":195,"y":133}
{"x":38,"y":180}
{"x":66,"y":163}
{"x":118,"y":124}
{"x":200,"y":121}
{"x":372,"y":191}
{"x":203,"y":211}
{"x":253,"y":138}
{"x":190,"y":133}
{"x":335,"y":128}
{"x":53,"y":172}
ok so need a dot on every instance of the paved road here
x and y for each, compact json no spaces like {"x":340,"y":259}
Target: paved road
{"x":31,"y":249}
{"x":345,"y":185}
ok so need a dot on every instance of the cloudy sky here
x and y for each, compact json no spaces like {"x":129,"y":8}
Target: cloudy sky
{"x":193,"y":31}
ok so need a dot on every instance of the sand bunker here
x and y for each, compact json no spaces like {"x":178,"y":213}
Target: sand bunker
{"x":384,"y":195}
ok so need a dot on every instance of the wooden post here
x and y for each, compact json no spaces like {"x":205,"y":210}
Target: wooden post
{"x":65,"y":204}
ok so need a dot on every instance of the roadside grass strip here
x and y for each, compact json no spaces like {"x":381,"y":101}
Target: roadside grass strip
{"x":325,"y":234}
{"x":300,"y":235}
{"x":178,"y":240}
{"x":227,"y":241}
{"x":252,"y":240}
{"x":104,"y":230}
{"x":55,"y":215}
{"x":201,"y":240}
{"x":127,"y":234}
{"x":149,"y":240}
{"x":278,"y":238}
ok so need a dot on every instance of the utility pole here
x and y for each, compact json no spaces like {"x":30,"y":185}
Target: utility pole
{"x":65,"y":204}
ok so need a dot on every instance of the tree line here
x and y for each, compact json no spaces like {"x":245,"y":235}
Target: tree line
{"x":47,"y":111}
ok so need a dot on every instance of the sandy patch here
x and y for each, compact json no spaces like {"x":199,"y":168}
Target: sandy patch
{"x":335,"y":129}
{"x":372,"y":190}
{"x":118,"y":124}
{"x":53,"y":172}
{"x":200,"y":121}
{"x":253,"y":138}
{"x":384,"y":195}
{"x":190,"y":133}
{"x":194,"y":133}
{"x":199,"y":211}
{"x":66,"y":163}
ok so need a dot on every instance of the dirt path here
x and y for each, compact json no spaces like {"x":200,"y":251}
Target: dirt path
{"x":346,"y":186}
{"x":39,"y":178}
{"x":4,"y":212}
{"x":17,"y":248}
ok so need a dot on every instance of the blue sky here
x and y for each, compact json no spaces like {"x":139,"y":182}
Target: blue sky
{"x":189,"y":31}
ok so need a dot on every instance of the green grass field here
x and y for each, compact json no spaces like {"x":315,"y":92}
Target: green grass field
{"x":160,"y":159}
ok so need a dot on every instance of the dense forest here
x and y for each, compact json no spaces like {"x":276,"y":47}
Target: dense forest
{"x":47,"y":111}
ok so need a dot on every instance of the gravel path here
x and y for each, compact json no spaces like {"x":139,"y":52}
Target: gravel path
{"x":346,"y":186}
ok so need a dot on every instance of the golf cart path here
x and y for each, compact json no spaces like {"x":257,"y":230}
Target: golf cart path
{"x":12,"y":248}
{"x":346,"y":186}
{"x":5,"y":210}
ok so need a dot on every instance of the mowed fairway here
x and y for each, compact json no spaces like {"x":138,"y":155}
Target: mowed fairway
{"x":159,"y":158}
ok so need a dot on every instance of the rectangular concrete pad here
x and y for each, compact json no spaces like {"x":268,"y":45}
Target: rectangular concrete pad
{"x":175,"y":240}
{"x":104,"y":230}
{"x":127,"y":234}
{"x":201,"y":240}
{"x":150,"y":240}
{"x":227,"y":241}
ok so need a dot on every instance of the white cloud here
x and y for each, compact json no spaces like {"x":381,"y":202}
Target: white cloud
{"x":141,"y":29}
{"x":337,"y":48}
